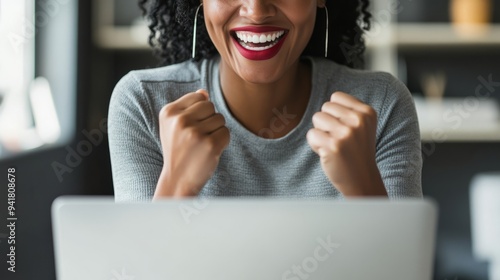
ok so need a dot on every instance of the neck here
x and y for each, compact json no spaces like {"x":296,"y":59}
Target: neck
{"x":268,"y":110}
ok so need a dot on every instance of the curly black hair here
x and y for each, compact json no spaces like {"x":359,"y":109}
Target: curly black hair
{"x":171,"y":24}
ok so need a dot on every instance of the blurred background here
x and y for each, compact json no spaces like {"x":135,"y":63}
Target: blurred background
{"x":60,"y":59}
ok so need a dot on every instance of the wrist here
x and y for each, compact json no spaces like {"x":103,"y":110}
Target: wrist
{"x":169,"y":186}
{"x":368,"y":185}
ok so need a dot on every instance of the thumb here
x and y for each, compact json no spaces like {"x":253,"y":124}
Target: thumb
{"x":204,"y":92}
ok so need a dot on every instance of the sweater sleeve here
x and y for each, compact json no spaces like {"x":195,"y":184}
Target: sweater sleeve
{"x":398,"y":155}
{"x":136,"y":158}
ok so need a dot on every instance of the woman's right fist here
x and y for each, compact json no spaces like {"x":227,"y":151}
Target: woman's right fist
{"x":193,"y":137}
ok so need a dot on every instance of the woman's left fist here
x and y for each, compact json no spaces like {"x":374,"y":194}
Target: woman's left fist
{"x":344,"y":137}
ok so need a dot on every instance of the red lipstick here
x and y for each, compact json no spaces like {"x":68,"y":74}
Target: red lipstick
{"x":258,"y":42}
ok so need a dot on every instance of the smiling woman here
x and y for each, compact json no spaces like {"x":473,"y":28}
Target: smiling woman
{"x":260,"y":110}
{"x":171,"y":23}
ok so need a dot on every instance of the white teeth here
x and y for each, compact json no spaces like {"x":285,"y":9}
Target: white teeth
{"x":263,"y":38}
{"x":255,"y":39}
{"x":249,"y":37}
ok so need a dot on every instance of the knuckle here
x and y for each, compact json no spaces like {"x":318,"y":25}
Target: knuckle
{"x":225,"y":132}
{"x":220,"y":118}
{"x":310,"y":134}
{"x":370,"y":117}
{"x":316,"y":117}
{"x":333,"y":145}
{"x":166,"y":111}
{"x":325,"y":106}
{"x":193,"y":134}
{"x":210,"y":143}
{"x":335,"y":96}
{"x":211,"y":106}
{"x":357,"y":124}
{"x":358,"y":120}
{"x":219,"y":141}
{"x":370,"y":111}
{"x":346,"y":133}
{"x":180,"y":121}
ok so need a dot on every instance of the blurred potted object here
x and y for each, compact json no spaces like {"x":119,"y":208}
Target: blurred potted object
{"x":433,"y":85}
{"x":471,"y":17}
{"x":459,"y":116}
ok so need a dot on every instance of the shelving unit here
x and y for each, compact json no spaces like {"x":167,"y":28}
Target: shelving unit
{"x":439,"y":123}
{"x":464,"y":134}
{"x":384,"y":48}
{"x":413,"y":35}
{"x":122,"y":38}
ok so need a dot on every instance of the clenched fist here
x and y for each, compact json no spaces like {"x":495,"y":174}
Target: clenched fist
{"x":344,"y":137}
{"x":193,"y":137}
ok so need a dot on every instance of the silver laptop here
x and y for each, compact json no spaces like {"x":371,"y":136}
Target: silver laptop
{"x":243,"y":239}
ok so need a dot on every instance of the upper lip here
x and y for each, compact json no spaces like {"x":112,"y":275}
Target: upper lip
{"x":258,"y":29}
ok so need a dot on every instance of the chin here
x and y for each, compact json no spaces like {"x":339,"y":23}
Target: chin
{"x":262,"y":71}
{"x":261,"y":75}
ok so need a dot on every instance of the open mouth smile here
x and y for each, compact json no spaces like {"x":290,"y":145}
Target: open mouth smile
{"x":258,"y":43}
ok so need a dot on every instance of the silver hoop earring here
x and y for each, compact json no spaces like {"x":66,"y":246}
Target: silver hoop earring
{"x":326,"y":35}
{"x":194,"y":30}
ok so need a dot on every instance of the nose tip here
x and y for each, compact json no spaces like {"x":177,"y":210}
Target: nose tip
{"x":257,"y":10}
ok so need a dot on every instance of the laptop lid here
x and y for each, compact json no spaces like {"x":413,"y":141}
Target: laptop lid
{"x":244,"y":239}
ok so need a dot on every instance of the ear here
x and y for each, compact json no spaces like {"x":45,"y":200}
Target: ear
{"x":321,"y":3}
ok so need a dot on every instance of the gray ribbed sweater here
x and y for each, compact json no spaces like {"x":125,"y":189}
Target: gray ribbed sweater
{"x":252,"y":165}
